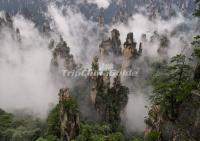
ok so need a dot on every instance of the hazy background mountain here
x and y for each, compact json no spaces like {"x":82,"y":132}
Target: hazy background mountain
{"x":111,"y":9}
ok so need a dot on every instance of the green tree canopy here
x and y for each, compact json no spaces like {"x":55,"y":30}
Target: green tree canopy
{"x":172,"y":83}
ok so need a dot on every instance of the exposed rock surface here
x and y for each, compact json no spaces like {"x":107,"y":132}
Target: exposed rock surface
{"x":96,"y":80}
{"x":130,"y":52}
{"x":112,"y":52}
{"x":91,"y":11}
{"x":121,"y":17}
{"x":69,"y":116}
{"x":185,"y":128}
{"x":108,"y":100}
{"x":111,"y":46}
{"x":6,"y":21}
{"x":62,"y":59}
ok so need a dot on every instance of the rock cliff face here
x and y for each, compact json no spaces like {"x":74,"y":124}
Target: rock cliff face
{"x":111,"y":46}
{"x":69,"y":116}
{"x":121,"y":17}
{"x":112,"y":52}
{"x":116,"y":42}
{"x":62,"y":59}
{"x":119,"y":11}
{"x":130,"y":52}
{"x":102,"y":93}
{"x":108,"y":100}
{"x":105,"y":48}
{"x":97,"y":81}
{"x":101,"y":25}
{"x":6,"y":21}
{"x":185,"y":128}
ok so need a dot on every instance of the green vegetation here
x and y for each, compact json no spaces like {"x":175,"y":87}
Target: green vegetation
{"x":53,"y":122}
{"x":196,"y":45}
{"x":71,"y":104}
{"x":28,"y":129}
{"x":152,"y":136}
{"x":136,"y":139}
{"x":48,"y":138}
{"x":95,"y":64}
{"x":98,"y":132}
{"x":197,"y":12}
{"x":172,"y":83}
{"x":111,"y":101}
{"x":24,"y":128}
{"x":118,"y":98}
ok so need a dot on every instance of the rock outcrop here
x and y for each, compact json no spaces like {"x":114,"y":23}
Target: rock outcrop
{"x":6,"y":20}
{"x":101,"y":26}
{"x":185,"y":128}
{"x":94,"y":80}
{"x":116,"y":42}
{"x":62,"y":59}
{"x":112,"y":52}
{"x":108,"y":100}
{"x":120,"y":17}
{"x":111,"y":46}
{"x":130,"y":52}
{"x":69,"y":116}
{"x":164,"y":45}
{"x":105,"y":48}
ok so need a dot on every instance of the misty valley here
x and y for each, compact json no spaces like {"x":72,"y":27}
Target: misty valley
{"x":99,"y":70}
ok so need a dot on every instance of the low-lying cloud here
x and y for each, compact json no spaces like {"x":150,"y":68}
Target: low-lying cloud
{"x":25,"y":80}
{"x":100,"y":3}
{"x":79,"y":33}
